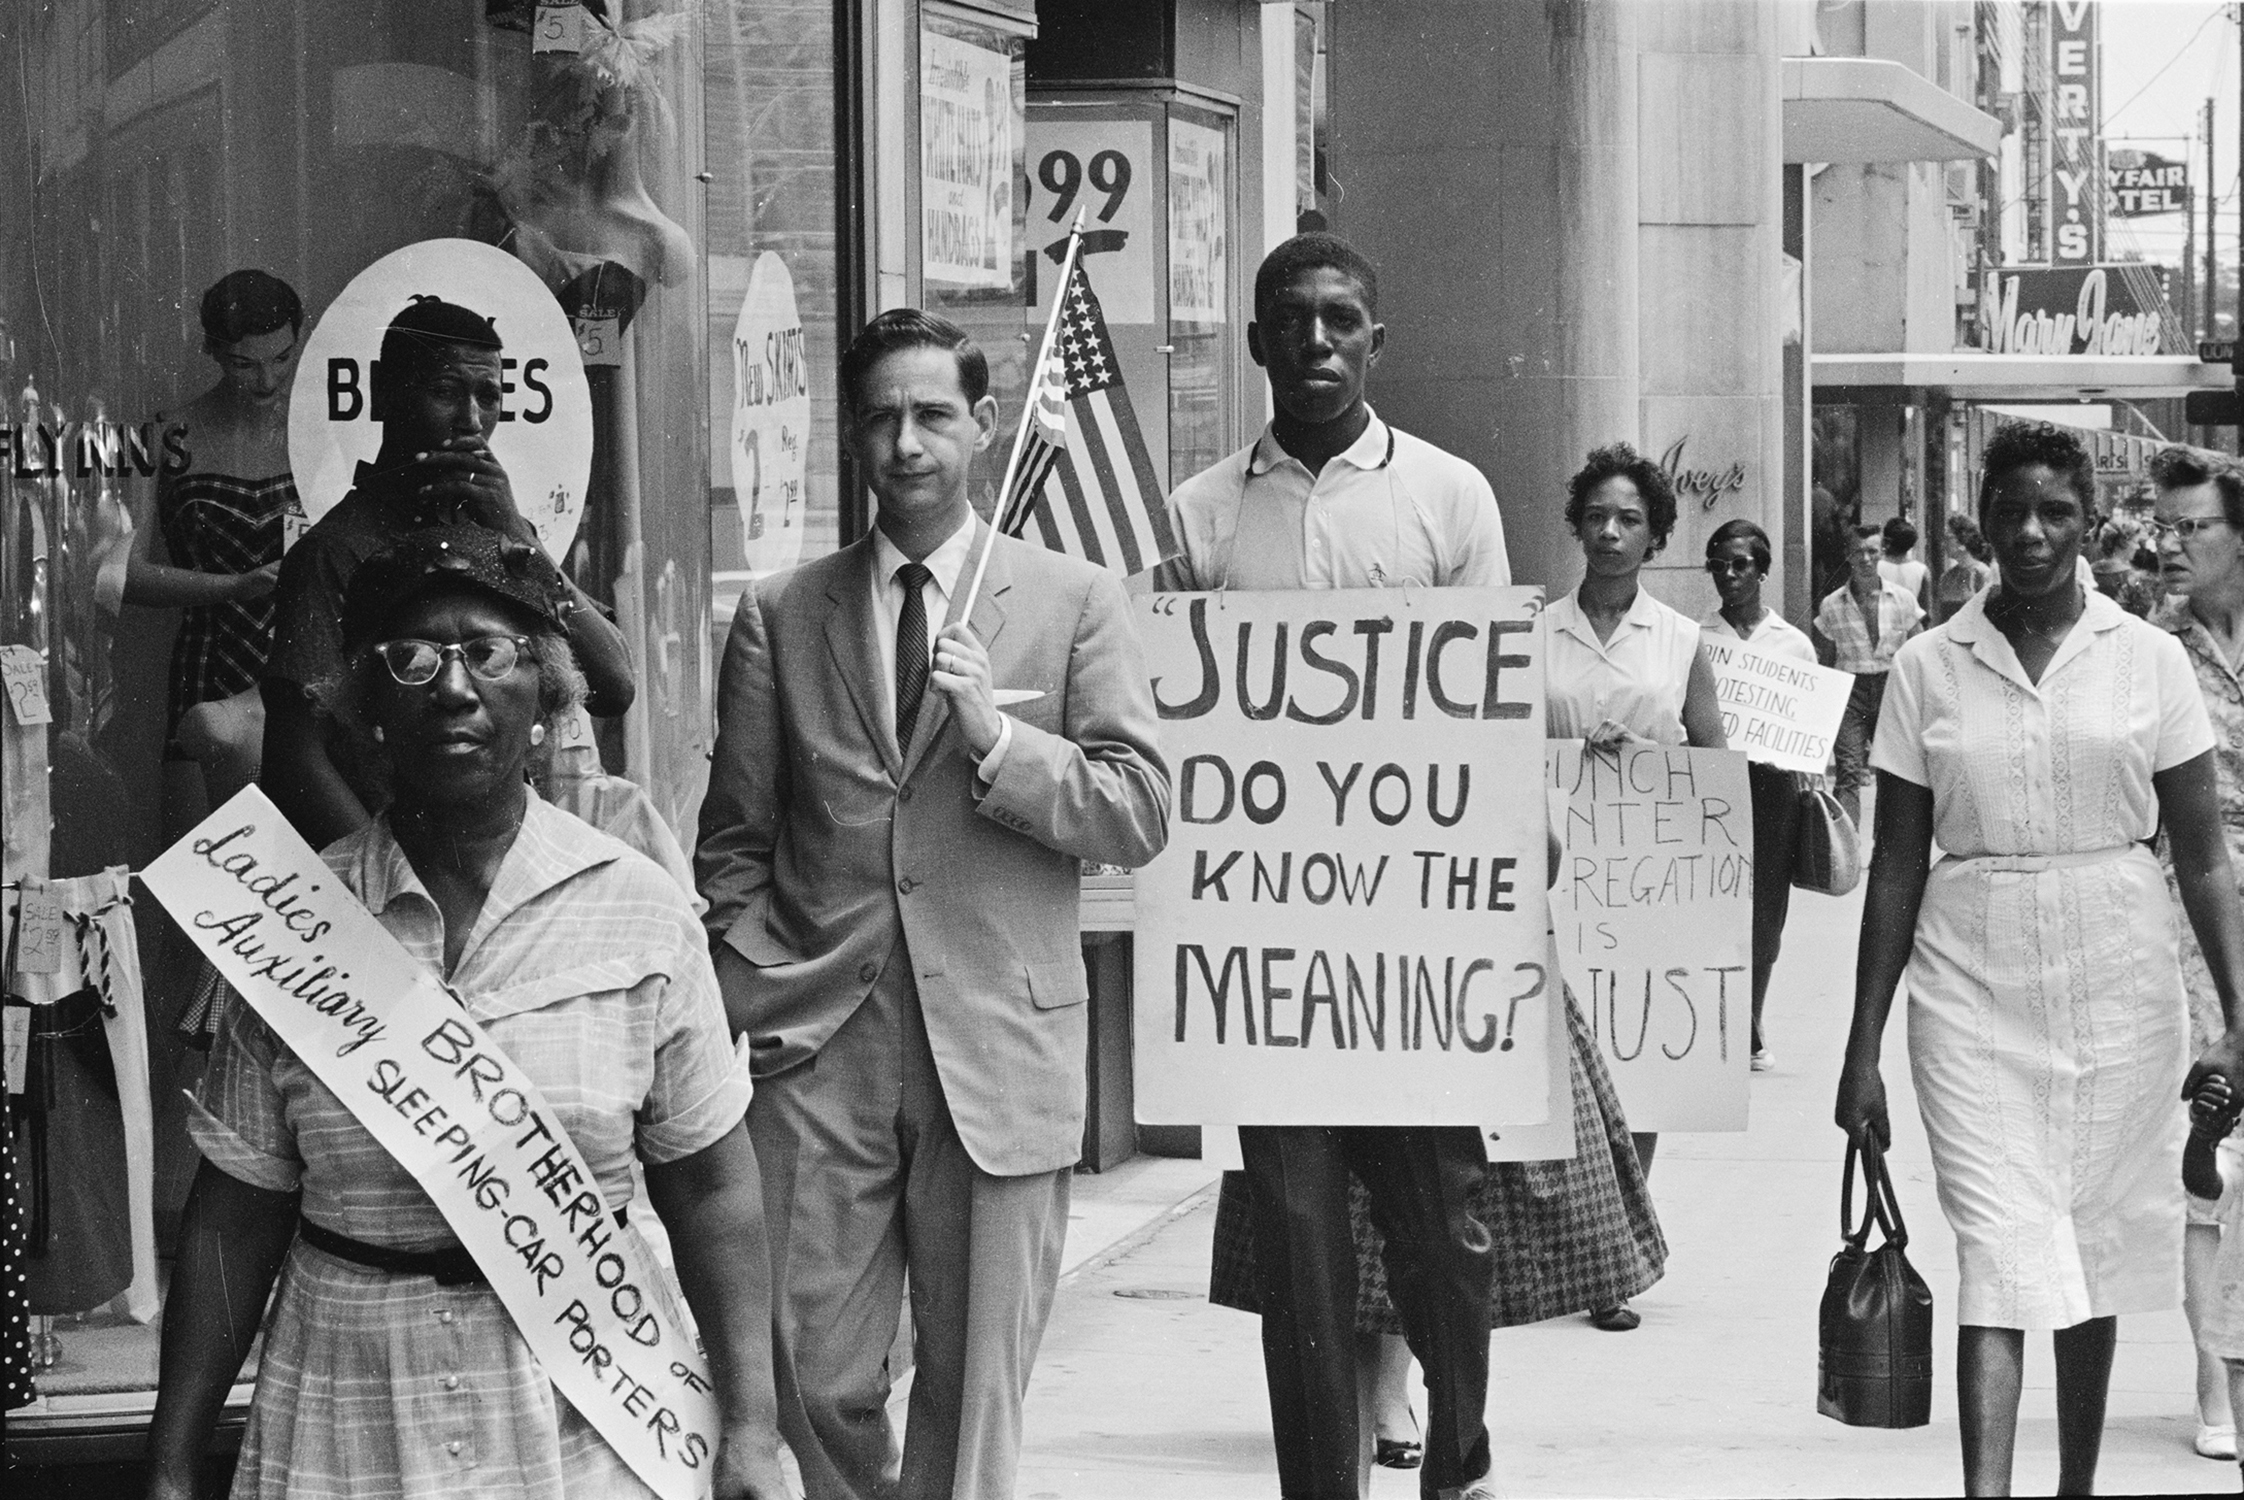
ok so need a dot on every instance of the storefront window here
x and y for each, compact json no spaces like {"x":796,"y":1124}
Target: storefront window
{"x":974,"y":228}
{"x":662,"y":173}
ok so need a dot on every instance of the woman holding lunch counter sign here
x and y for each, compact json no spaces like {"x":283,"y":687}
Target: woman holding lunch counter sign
{"x":390,"y":1367}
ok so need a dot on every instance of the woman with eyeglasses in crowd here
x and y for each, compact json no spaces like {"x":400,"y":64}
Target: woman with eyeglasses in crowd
{"x":2201,"y":566}
{"x":1737,"y":558}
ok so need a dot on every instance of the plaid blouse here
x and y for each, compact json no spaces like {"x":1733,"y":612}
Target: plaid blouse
{"x":214,"y":523}
{"x":1840,"y":620}
{"x":586,"y":965}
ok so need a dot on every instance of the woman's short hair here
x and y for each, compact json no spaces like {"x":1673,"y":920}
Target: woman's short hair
{"x":2183,"y":469}
{"x":1622,"y":461}
{"x":1968,"y":536}
{"x":2021,"y":445}
{"x":1898,"y":536}
{"x":1741,"y":530}
{"x":243,"y":304}
{"x":903,"y":328}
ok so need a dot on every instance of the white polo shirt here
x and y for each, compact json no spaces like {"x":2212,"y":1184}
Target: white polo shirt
{"x":1391,"y":510}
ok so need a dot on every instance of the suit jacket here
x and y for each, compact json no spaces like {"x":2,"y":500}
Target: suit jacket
{"x":821,"y":839}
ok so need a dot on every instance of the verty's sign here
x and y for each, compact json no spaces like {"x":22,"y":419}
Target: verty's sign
{"x":475,"y":1131}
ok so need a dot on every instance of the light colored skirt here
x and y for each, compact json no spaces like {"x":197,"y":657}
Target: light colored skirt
{"x":375,"y":1386}
{"x":2048,"y":1037}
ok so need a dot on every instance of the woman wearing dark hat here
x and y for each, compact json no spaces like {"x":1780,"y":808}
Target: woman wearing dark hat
{"x":225,"y":520}
{"x":583,"y":962}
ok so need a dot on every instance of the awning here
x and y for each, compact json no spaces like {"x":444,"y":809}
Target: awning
{"x":1862,"y":109}
{"x":2013,"y":377}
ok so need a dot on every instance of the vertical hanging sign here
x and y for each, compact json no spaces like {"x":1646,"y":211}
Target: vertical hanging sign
{"x":966,"y":163}
{"x":2076,"y":106}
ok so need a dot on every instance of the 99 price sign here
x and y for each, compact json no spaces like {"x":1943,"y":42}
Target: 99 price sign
{"x":1104,"y":169}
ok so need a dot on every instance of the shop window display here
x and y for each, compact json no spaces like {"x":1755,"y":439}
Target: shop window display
{"x":200,"y":181}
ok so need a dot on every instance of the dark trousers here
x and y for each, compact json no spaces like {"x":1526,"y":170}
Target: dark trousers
{"x":1776,"y":828}
{"x":1439,"y":1262}
{"x":1857,"y":728}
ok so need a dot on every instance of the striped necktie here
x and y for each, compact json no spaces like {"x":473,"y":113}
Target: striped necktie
{"x":911,"y":651}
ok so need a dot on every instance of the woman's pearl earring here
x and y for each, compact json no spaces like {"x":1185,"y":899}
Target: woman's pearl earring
{"x":377,"y":734}
{"x":537,"y":734}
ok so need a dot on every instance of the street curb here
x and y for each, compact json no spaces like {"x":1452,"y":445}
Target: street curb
{"x":1100,"y":1259}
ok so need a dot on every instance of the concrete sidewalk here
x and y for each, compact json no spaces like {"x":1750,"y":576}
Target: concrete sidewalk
{"x":1145,"y":1392}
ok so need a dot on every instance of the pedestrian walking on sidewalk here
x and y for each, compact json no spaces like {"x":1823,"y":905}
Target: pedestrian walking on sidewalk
{"x":2200,"y":532}
{"x":1328,"y":497}
{"x":2042,"y":735}
{"x":1737,"y":558}
{"x":1863,"y":625}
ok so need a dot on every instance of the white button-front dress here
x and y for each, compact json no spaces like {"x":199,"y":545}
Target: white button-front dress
{"x":2048,"y":1033}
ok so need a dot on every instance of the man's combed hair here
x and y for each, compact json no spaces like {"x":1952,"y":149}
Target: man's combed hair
{"x":1314,"y":251}
{"x":913,"y":328}
{"x":2021,"y":445}
{"x":419,"y":336}
{"x":2185,"y":469}
{"x":1622,"y":461}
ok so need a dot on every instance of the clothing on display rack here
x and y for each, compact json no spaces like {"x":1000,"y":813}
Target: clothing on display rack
{"x":82,"y":1135}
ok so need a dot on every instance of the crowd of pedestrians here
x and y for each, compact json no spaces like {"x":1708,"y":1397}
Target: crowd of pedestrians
{"x":855,"y":1076}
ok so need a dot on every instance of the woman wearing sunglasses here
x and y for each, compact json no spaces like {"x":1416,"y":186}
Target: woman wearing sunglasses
{"x":390,"y":1367}
{"x":1737,"y":558}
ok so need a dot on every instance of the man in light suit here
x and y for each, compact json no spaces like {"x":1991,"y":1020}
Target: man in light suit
{"x":892,"y":877}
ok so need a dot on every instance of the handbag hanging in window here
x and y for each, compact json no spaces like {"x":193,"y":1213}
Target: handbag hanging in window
{"x":1826,"y":851}
{"x":1874,"y":1367}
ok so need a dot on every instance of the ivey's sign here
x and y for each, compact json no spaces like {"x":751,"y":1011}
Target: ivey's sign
{"x":2075,"y":310}
{"x":1706,"y":485}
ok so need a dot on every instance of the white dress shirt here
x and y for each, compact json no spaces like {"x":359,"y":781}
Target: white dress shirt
{"x":1390,"y":510}
{"x":944,"y":564}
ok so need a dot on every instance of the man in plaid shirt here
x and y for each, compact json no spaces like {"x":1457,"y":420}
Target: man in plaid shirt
{"x":1859,"y":628}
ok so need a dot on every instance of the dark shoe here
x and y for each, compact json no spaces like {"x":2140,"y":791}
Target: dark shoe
{"x":1620,"y":1319}
{"x":1390,"y":1454}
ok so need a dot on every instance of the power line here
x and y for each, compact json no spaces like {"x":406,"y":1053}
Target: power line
{"x":2215,"y":14}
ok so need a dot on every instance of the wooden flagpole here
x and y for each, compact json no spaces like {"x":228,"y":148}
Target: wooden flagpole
{"x":1028,"y":412}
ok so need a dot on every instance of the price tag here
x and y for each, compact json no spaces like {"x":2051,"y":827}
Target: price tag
{"x":39,"y":931}
{"x":15,"y":1021}
{"x":23,"y":673}
{"x":558,"y":28}
{"x":573,"y":729}
{"x":294,"y":523}
{"x":599,"y":340}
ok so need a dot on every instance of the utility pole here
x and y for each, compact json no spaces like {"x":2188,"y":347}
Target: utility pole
{"x":2212,"y":236}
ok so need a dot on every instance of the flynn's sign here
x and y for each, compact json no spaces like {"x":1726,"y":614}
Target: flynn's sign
{"x":2075,"y":310}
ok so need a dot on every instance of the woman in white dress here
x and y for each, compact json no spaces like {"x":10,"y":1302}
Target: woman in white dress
{"x":2039,"y":735}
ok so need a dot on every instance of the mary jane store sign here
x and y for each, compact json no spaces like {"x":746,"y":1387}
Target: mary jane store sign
{"x":2085,"y":311}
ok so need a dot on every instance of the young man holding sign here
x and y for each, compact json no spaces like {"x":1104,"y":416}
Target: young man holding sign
{"x":893,"y":868}
{"x":1331,"y":497}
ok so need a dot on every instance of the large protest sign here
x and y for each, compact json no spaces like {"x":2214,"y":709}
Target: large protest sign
{"x":382,"y":1033}
{"x":1348,"y":926}
{"x":1653,"y":913}
{"x":1774,"y":708}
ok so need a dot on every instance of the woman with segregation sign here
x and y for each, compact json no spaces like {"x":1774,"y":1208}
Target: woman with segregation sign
{"x":588,"y":1010}
{"x":1620,"y":666}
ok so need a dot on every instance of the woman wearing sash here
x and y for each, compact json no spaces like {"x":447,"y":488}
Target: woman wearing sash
{"x":2041,"y":736}
{"x":389,"y":1366}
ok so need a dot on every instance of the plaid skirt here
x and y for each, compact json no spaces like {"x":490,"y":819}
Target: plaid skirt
{"x":1570,"y":1235}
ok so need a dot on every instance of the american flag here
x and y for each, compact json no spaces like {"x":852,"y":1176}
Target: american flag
{"x":1085,"y":481}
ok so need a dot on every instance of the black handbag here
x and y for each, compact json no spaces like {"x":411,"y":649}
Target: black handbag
{"x":1874,"y":1368}
{"x":1826,"y":847}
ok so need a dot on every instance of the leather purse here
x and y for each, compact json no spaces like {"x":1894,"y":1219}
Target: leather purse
{"x":1826,"y":849}
{"x":1874,"y":1366}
